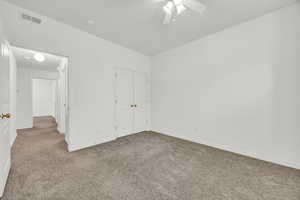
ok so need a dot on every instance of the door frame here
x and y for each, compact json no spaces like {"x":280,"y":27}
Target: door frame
{"x":67,"y":93}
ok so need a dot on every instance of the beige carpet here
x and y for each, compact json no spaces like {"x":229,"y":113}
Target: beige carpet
{"x":145,"y":166}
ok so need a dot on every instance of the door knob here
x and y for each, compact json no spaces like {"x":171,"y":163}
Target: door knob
{"x":133,"y":106}
{"x":7,"y":115}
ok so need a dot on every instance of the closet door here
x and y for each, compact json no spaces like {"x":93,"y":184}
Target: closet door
{"x":141,"y":102}
{"x":124,"y":102}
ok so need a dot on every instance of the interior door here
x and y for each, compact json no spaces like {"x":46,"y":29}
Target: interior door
{"x":4,"y":116}
{"x":124,"y":102}
{"x":141,"y":102}
{"x":43,"y":97}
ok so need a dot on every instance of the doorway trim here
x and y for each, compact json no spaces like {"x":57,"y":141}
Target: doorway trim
{"x":67,"y":115}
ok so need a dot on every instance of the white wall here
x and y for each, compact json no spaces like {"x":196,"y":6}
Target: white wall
{"x":238,"y":89}
{"x":43,"y":97}
{"x":92,"y":64}
{"x":24,"y":93}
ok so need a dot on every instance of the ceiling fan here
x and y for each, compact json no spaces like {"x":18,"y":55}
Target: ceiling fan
{"x":176,"y":7}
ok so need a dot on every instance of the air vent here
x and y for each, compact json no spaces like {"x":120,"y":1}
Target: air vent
{"x":32,"y":19}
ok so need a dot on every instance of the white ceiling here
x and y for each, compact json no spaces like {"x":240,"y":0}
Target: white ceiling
{"x":24,"y":58}
{"x":137,"y":24}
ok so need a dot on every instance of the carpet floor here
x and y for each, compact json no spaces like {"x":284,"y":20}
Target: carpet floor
{"x":144,"y":166}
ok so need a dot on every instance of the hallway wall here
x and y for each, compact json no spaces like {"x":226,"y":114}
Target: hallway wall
{"x":92,"y":65}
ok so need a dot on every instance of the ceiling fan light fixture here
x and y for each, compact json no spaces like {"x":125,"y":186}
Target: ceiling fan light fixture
{"x":175,"y":7}
{"x":169,"y":7}
{"x":180,"y":8}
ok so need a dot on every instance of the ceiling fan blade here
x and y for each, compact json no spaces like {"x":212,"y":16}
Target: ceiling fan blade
{"x":194,"y":5}
{"x":168,"y":18}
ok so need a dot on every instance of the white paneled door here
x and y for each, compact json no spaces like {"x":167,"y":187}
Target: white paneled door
{"x":132,"y":103}
{"x":141,"y":102}
{"x":124,"y":102}
{"x":43,"y":97}
{"x":4,"y":115}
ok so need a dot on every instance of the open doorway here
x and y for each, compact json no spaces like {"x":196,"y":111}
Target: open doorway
{"x":42,"y":91}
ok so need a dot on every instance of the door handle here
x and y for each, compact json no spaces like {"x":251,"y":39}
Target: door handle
{"x":133,"y":106}
{"x":7,"y":116}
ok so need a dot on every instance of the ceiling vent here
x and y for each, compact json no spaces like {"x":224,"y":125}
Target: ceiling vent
{"x":31,"y":18}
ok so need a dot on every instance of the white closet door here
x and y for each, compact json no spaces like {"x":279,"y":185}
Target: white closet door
{"x":124,"y":102}
{"x":141,"y":102}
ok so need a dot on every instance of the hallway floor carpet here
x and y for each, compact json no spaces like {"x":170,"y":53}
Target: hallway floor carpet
{"x":144,"y":166}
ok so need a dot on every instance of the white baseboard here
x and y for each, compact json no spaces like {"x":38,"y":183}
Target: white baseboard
{"x":232,"y":149}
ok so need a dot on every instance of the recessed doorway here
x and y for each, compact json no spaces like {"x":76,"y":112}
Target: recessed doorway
{"x":42,"y":91}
